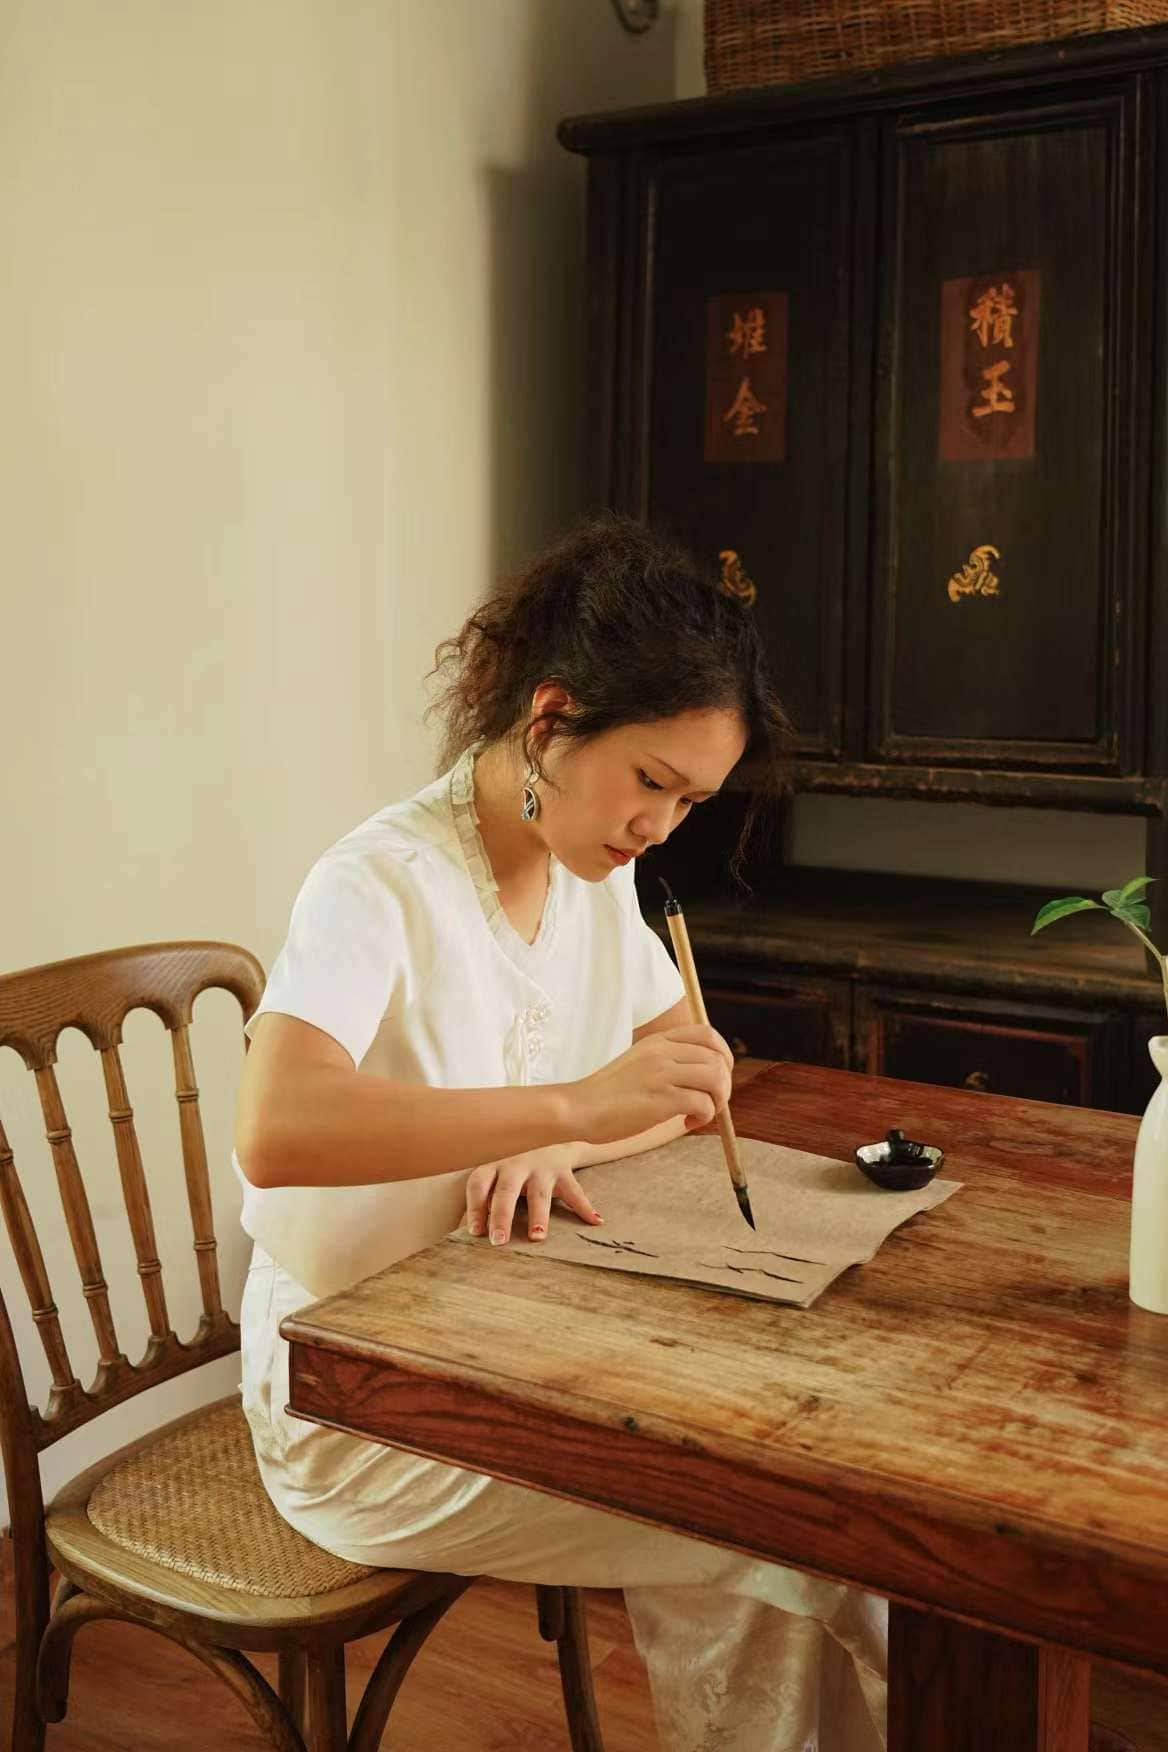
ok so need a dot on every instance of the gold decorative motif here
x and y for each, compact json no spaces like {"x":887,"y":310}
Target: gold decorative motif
{"x":975,"y":577}
{"x":734,"y":579}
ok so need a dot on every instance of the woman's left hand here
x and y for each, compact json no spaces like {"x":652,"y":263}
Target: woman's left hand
{"x":493,"y":1191}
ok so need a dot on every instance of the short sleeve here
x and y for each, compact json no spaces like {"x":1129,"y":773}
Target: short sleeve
{"x":655,"y":982}
{"x":348,"y":954}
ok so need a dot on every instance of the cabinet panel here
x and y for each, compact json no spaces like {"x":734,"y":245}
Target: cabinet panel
{"x":740,"y":392}
{"x":998,"y":1048}
{"x":804,"y":1020}
{"x":1010,"y":439}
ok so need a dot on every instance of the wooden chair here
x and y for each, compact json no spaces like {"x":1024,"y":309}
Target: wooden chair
{"x":175,"y":1532}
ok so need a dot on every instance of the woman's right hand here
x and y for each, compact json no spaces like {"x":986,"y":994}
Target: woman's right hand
{"x":677,"y":1070}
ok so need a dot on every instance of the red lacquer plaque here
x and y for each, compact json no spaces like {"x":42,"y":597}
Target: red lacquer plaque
{"x":746,"y":377}
{"x":989,"y":365}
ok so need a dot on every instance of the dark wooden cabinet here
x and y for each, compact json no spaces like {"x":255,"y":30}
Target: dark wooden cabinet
{"x":887,"y":354}
{"x":992,"y":1046}
{"x":881,"y":974}
{"x":806,"y":1020}
{"x":1068,"y":1028}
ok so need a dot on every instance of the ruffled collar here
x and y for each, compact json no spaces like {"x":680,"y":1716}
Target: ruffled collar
{"x":466,"y":823}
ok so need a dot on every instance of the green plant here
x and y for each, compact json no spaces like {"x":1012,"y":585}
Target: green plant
{"x":1123,"y":904}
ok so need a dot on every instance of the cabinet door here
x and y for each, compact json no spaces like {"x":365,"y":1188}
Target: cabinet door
{"x":738,"y":388}
{"x":997,"y":1048}
{"x":1010,"y":449}
{"x":805,"y":1020}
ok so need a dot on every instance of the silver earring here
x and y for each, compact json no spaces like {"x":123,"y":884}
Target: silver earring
{"x":530,"y":801}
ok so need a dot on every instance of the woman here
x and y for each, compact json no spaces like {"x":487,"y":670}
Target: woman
{"x":467,"y":1010}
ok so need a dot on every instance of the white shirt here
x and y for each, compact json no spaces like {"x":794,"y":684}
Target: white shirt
{"x":399,"y":949}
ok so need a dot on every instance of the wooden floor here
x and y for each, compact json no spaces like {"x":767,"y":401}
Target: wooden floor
{"x":485,"y":1682}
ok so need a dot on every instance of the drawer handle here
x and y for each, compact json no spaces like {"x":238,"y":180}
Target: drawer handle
{"x":739,"y":1047}
{"x":978,"y":1080}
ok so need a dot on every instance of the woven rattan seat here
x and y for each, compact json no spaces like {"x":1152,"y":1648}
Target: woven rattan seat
{"x":194,"y":1502}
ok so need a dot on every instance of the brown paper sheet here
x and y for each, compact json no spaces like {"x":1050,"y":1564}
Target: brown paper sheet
{"x":672,"y":1213}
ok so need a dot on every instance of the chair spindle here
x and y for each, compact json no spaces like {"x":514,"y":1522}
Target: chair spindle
{"x":31,"y":1265}
{"x":194,"y":1150}
{"x":79,"y":1219}
{"x":137,"y":1196}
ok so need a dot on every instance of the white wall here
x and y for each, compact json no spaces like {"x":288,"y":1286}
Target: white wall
{"x":291,"y":339}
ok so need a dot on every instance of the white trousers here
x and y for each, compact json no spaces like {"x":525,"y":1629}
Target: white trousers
{"x":742,"y":1656}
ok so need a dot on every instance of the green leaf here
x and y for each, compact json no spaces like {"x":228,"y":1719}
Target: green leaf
{"x":1117,"y":897}
{"x":1135,"y":912}
{"x":1061,"y":909}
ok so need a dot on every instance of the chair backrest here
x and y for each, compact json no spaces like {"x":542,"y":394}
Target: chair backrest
{"x":94,"y":993}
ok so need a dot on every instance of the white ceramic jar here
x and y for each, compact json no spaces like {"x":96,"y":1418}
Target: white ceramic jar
{"x":1148,"y":1271}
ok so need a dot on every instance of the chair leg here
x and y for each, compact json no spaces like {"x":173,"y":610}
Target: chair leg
{"x":549,"y":1603}
{"x":328,"y":1720}
{"x":30,"y":1586}
{"x":28,"y":1725}
{"x":562,"y":1620}
{"x":55,"y":1655}
{"x":291,"y":1683}
{"x":236,"y":1671}
{"x":393,"y":1664}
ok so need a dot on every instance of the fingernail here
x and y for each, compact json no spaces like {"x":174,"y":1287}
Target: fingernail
{"x":497,"y":1237}
{"x":537,"y":1231}
{"x":596,"y":1217}
{"x":475,"y":1226}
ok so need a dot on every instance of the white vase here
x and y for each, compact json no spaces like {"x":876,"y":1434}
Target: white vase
{"x":1148,"y":1278}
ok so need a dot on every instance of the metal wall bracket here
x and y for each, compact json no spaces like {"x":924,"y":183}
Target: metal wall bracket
{"x":637,"y":15}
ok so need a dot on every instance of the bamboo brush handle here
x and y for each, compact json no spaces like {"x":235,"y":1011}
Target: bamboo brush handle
{"x":697,"y":1004}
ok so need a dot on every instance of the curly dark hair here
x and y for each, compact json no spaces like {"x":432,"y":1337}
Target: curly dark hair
{"x":633,"y":630}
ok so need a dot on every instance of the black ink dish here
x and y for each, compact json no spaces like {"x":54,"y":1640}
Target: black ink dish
{"x":899,"y":1164}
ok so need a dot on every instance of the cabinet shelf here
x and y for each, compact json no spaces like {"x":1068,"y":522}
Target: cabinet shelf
{"x":1032,"y":790}
{"x":933,"y":980}
{"x":928,"y":933}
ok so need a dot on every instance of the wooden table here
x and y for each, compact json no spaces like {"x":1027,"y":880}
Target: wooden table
{"x":974,"y":1424}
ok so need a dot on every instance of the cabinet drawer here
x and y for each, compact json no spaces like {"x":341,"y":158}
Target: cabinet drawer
{"x":804,"y":1020}
{"x":999,"y":1049}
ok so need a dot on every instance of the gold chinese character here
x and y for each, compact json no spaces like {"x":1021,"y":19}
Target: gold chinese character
{"x":976,"y":577}
{"x":743,"y":411}
{"x":999,"y":397}
{"x":747,"y":334}
{"x":993,"y":316}
{"x":735,"y":580}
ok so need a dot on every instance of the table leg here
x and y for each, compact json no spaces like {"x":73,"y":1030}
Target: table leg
{"x":956,"y":1689}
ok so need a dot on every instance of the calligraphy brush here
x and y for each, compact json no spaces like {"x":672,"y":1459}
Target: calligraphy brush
{"x":675,"y":919}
